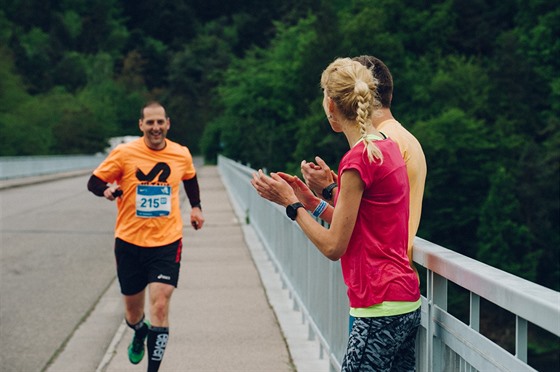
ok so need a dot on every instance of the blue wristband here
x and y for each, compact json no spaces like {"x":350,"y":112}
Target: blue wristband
{"x":320,"y":208}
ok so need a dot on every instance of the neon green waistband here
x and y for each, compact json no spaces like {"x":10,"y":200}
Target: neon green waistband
{"x":387,"y":308}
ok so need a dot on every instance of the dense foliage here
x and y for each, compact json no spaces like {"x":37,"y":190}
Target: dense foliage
{"x":477,"y":82}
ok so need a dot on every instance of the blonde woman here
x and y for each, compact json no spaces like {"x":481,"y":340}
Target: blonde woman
{"x":368,"y":225}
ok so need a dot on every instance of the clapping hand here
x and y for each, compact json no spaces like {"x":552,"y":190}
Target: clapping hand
{"x":317,"y":176}
{"x":273,"y":188}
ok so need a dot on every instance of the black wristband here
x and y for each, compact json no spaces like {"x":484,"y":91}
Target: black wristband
{"x":96,"y":185}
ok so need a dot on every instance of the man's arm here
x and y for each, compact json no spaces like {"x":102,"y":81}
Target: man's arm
{"x":193,"y":193}
{"x":99,"y":187}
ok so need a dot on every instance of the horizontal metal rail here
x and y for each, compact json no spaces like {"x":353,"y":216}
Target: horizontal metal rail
{"x":29,"y":166}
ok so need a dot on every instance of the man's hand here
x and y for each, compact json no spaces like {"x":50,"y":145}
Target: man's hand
{"x":112,"y":192}
{"x":317,"y":176}
{"x":197,"y":219}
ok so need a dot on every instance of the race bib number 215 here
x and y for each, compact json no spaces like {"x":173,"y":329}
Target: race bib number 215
{"x":153,"y":201}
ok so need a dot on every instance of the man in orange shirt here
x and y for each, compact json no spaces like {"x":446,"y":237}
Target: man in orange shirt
{"x":149,"y":227}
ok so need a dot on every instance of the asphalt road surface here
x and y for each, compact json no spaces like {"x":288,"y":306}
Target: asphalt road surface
{"x":56,"y":261}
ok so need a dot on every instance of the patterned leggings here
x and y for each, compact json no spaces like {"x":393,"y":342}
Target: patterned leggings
{"x":382,"y":344}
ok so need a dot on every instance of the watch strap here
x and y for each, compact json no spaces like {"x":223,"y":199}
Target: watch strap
{"x":327,"y":191}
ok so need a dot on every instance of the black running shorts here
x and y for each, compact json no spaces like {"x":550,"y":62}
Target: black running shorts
{"x":139,"y":266}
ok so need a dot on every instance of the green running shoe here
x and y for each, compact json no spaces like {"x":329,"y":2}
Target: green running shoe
{"x":136,"y":347}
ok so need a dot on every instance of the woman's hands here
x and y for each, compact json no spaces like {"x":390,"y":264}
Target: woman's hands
{"x":274,"y":188}
{"x":302,"y":192}
{"x":284,"y":189}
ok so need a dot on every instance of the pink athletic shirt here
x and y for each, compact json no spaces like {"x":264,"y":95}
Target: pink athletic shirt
{"x":375,"y":266}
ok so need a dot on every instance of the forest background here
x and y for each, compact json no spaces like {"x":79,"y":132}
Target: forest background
{"x":476,"y":81}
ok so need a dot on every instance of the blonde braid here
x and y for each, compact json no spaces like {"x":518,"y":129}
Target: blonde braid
{"x":364,"y":98}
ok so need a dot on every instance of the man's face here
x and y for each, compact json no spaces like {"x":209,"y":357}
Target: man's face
{"x":154,"y":126}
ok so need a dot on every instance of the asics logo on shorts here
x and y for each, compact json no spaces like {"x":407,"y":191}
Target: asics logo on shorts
{"x":165,"y":277}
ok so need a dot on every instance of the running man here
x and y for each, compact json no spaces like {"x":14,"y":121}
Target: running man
{"x":148,"y":173}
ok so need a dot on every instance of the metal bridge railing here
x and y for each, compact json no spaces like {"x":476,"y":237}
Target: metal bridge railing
{"x":27,"y":166}
{"x":444,"y":342}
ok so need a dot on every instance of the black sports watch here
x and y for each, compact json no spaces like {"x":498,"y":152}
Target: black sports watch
{"x":327,"y":191}
{"x":291,"y":210}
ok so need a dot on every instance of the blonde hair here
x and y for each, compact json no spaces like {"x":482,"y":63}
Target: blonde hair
{"x":352,"y":87}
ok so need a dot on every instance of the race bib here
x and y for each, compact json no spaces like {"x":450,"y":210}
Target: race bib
{"x":153,"y":201}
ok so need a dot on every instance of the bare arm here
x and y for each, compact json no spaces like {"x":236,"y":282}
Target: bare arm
{"x":334,"y":242}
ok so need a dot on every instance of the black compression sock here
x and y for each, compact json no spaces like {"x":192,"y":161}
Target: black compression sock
{"x":140,"y":328}
{"x":157,"y":342}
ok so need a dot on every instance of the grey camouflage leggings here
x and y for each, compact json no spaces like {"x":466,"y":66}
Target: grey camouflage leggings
{"x":382,"y":344}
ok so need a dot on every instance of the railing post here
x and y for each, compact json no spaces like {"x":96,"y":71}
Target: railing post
{"x":521,"y":339}
{"x":429,"y":323}
{"x":437,"y":296}
{"x":474,"y":321}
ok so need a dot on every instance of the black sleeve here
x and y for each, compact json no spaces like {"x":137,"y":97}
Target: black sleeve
{"x":193,"y":191}
{"x":96,"y":185}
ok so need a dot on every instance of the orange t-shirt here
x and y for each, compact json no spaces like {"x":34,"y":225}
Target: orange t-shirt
{"x":149,"y":214}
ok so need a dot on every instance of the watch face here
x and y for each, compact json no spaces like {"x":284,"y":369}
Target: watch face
{"x":291,"y":210}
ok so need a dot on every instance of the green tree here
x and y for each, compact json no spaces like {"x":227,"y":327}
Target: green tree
{"x":171,"y":22}
{"x":102,"y":28}
{"x":12,"y":91}
{"x":458,"y":150}
{"x":377,"y":27}
{"x":504,"y":241}
{"x":261,"y":95}
{"x":480,"y":22}
{"x":432,"y":84}
{"x":28,"y":128}
{"x":6,"y":29}
{"x":70,"y":72}
{"x":525,"y":98}
{"x":35,"y":60}
{"x":194,"y":74}
{"x":20,"y":129}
